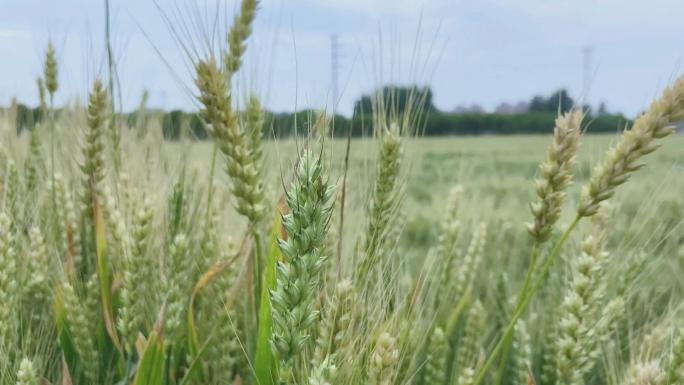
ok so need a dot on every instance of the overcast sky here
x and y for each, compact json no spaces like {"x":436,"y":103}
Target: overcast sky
{"x":474,"y":51}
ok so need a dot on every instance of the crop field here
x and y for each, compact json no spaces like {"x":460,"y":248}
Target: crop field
{"x":128,"y":259}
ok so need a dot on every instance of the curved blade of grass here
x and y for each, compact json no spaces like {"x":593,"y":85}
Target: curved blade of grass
{"x":204,"y":280}
{"x":195,"y":365}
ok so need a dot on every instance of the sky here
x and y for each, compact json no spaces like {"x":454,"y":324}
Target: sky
{"x":468,"y":51}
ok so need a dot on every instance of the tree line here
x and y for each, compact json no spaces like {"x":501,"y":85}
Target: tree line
{"x":429,"y":121}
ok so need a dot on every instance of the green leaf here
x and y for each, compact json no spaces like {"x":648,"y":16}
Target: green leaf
{"x":152,"y":364}
{"x":265,"y":365}
{"x":104,"y":276}
{"x":66,"y":343}
{"x":195,"y":365}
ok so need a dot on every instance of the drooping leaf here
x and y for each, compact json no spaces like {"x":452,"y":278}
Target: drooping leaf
{"x":205,"y":279}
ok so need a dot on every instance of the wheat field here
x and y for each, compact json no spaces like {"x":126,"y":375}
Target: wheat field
{"x":390,"y":260}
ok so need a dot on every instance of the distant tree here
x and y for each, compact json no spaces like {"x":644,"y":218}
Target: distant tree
{"x":25,"y":117}
{"x":363,"y":106}
{"x":559,"y":100}
{"x":13,"y":113}
{"x":397,"y":99}
{"x":171,"y":124}
{"x":538,"y":103}
{"x":602,"y":110}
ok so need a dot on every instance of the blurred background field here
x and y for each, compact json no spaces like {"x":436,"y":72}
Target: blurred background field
{"x":496,"y":171}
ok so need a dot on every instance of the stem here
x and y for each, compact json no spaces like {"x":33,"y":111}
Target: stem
{"x":258,"y":255}
{"x":110,"y":66}
{"x":530,"y":272}
{"x":452,"y":323}
{"x":52,"y":126}
{"x":210,"y":192}
{"x":526,"y":297}
{"x":507,"y":343}
{"x":340,"y":231}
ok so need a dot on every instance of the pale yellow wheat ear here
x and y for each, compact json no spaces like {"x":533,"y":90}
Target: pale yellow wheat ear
{"x":675,"y":366}
{"x":436,"y":361}
{"x":26,"y":375}
{"x":240,"y":149}
{"x":8,"y":282}
{"x":647,"y":373}
{"x":241,"y":144}
{"x":79,"y":316}
{"x":640,"y":140}
{"x":555,"y":175}
{"x":382,"y":368}
{"x":336,"y":318}
{"x":584,"y":307}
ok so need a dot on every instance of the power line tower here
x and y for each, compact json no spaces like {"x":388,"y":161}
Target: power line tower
{"x":334,"y":70}
{"x":587,"y":53}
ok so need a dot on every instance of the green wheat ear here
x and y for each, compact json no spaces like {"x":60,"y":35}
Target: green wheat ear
{"x":41,"y":94}
{"x":93,"y":167}
{"x":50,"y":68}
{"x":239,"y":32}
{"x":383,"y":200}
{"x":309,"y":200}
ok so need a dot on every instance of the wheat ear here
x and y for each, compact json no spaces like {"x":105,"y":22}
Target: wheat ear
{"x":555,"y":175}
{"x":383,"y":361}
{"x":640,"y":140}
{"x":8,"y":283}
{"x":26,"y":375}
{"x":309,"y":200}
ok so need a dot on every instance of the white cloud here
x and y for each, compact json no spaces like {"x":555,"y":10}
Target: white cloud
{"x":10,"y":34}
